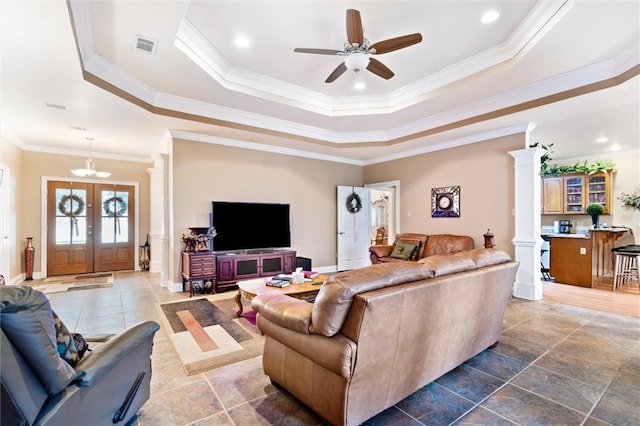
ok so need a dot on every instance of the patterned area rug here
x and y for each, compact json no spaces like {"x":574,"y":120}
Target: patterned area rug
{"x":72,"y":282}
{"x":207,"y":334}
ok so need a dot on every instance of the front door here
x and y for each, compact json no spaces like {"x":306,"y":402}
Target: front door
{"x":90,"y":227}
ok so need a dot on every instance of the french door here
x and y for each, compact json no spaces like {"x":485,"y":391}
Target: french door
{"x":90,"y":227}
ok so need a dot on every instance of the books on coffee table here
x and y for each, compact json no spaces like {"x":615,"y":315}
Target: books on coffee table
{"x":280,"y":283}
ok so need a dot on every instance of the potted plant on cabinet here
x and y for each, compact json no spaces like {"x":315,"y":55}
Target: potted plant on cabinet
{"x":595,"y":210}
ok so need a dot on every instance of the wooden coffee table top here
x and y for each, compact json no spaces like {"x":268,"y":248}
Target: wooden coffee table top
{"x":251,"y":288}
{"x":248,"y":289}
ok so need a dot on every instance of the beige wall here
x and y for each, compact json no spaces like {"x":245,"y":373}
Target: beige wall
{"x":35,"y":165}
{"x":203,"y":173}
{"x":485,"y":173}
{"x":625,"y":179}
{"x":11,"y":160}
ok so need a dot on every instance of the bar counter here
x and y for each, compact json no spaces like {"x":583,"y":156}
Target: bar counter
{"x":583,"y":260}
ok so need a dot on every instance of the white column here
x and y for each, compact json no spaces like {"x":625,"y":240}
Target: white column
{"x":158,"y":212}
{"x":527,"y":240}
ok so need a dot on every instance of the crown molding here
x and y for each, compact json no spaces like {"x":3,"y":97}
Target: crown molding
{"x":197,"y":137}
{"x":479,"y":137}
{"x":85,"y":153}
{"x":453,"y":143}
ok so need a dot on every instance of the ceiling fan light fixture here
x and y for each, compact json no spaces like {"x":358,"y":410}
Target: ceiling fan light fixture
{"x":357,"y":62}
{"x":359,"y":85}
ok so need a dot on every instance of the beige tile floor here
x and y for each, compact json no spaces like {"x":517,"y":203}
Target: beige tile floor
{"x":556,"y":364}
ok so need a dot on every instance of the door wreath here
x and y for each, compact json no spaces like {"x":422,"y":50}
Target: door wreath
{"x":119,"y":209}
{"x":115,"y":207}
{"x":354,"y":203}
{"x":67,"y":201}
{"x":65,"y":205}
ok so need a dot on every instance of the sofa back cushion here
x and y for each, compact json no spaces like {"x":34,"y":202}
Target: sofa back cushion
{"x":27,"y":320}
{"x":444,"y":264}
{"x":334,"y":299}
{"x":447,"y":243}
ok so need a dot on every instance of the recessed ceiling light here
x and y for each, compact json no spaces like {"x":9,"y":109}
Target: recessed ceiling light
{"x":602,"y":139}
{"x":490,"y":17}
{"x":615,"y":147}
{"x":359,"y":85}
{"x":242,"y":42}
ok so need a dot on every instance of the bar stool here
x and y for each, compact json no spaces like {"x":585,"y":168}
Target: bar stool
{"x":626,"y":265}
{"x":546,"y":275}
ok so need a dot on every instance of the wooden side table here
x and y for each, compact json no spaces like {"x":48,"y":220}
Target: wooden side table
{"x":199,"y":265}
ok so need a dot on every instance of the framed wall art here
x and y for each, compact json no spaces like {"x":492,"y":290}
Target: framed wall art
{"x":445,"y":201}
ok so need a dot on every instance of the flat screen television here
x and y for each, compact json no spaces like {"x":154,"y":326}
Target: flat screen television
{"x":246,"y":226}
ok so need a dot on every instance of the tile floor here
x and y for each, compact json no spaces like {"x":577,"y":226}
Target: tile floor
{"x":556,"y":364}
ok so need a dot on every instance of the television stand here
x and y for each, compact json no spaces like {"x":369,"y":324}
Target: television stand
{"x":246,"y":264}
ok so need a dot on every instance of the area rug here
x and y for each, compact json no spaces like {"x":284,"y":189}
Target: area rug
{"x":72,"y":282}
{"x":207,"y":334}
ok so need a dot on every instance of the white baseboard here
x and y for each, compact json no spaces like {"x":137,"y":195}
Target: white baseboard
{"x":175,"y":287}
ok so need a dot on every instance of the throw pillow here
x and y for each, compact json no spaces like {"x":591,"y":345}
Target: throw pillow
{"x":417,"y":251}
{"x":65,"y":344}
{"x":81,"y":345}
{"x":403,"y":250}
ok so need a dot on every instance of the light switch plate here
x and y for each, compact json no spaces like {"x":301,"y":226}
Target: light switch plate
{"x":583,"y":250}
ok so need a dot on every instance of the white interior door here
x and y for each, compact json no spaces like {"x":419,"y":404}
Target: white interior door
{"x":354,"y":236}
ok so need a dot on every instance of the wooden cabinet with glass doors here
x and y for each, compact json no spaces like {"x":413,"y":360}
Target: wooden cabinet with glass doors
{"x":574,"y":199}
{"x":570,"y":194}
{"x":599,"y":190}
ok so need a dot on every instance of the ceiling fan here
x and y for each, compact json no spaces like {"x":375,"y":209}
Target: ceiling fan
{"x":357,"y":50}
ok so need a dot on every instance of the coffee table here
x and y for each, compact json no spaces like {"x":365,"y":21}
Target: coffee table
{"x":249,"y":289}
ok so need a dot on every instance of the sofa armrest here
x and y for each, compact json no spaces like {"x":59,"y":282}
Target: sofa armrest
{"x":103,"y":358}
{"x":381,"y":251}
{"x":285,"y":311}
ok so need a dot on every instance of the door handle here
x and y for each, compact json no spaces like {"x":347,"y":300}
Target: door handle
{"x":341,"y":233}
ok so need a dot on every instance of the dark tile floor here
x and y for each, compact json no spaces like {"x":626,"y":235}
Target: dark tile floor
{"x":555,"y":365}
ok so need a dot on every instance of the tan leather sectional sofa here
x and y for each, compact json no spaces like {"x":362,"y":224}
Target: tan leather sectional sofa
{"x":377,"y":334}
{"x":427,"y":245}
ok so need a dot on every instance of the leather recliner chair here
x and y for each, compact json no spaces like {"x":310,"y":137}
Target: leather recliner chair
{"x":38,"y":387}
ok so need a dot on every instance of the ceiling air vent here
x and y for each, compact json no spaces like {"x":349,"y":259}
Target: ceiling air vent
{"x":145,"y":45}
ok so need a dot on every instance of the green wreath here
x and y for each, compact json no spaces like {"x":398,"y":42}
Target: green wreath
{"x":120,"y":204}
{"x":70,"y":200}
{"x":354,"y":203}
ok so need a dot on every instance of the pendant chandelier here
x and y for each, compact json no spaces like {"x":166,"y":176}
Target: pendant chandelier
{"x":90,"y":169}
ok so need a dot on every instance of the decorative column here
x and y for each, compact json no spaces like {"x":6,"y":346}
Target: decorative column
{"x":158,"y":212}
{"x":527,"y":240}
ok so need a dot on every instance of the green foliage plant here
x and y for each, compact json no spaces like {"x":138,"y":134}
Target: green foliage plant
{"x":594,"y":209}
{"x":631,"y":200}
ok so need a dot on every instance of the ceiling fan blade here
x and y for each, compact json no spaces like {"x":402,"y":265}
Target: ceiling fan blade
{"x":354,"y":27}
{"x":379,"y":69}
{"x":317,"y":51}
{"x":392,"y":44}
{"x":336,"y":73}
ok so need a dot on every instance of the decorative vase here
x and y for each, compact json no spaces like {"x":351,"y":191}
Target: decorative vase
{"x":595,"y":219}
{"x":29,"y":256}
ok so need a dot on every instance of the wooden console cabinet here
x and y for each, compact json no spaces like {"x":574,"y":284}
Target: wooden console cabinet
{"x":199,"y":265}
{"x":236,"y":266}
